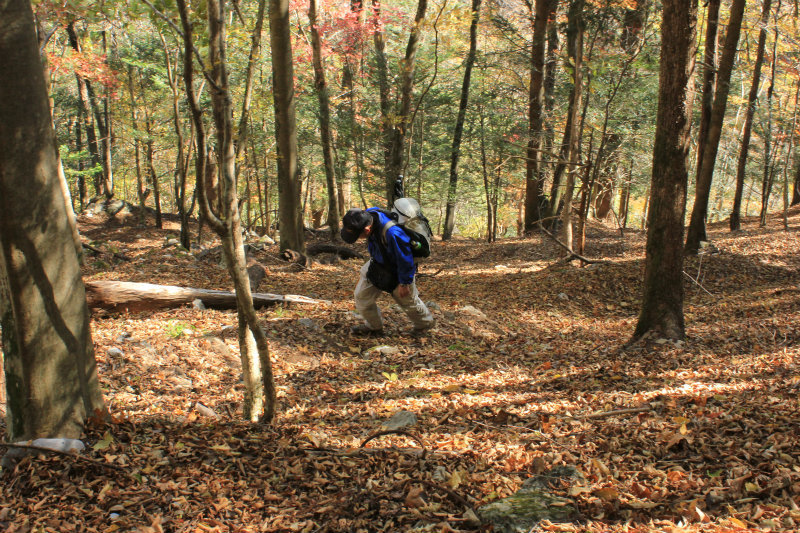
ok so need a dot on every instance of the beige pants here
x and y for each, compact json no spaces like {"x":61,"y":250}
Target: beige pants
{"x":366,"y":296}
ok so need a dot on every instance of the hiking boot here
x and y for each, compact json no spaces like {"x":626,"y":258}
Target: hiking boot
{"x":363,"y":330}
{"x":420,"y":331}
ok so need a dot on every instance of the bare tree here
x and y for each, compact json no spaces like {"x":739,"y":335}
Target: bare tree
{"x":260,"y":394}
{"x":697,"y":224}
{"x":735,"y":220}
{"x":455,"y":152}
{"x":324,"y":121}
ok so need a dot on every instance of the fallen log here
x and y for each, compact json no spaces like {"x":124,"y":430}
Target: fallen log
{"x":341,"y":251}
{"x":119,"y":296}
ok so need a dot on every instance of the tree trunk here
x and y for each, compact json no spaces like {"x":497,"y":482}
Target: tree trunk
{"x":735,"y":220}
{"x":140,"y":189}
{"x":769,"y":163}
{"x":151,"y":169}
{"x":455,"y":152}
{"x":379,"y":40}
{"x":697,"y":224}
{"x":260,"y":391}
{"x":662,"y":300}
{"x":86,"y":113}
{"x":709,"y":73}
{"x":575,"y":52}
{"x":534,"y":179}
{"x":289,"y":182}
{"x":402,"y":121}
{"x":324,"y":122}
{"x":179,"y":178}
{"x":50,"y":370}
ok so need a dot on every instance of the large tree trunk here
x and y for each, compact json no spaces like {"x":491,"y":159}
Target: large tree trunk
{"x":455,"y":152}
{"x":662,"y":299}
{"x":324,"y":122}
{"x":289,"y":182}
{"x":51,"y":375}
{"x":697,"y":224}
{"x":534,"y":180}
{"x":735,"y":220}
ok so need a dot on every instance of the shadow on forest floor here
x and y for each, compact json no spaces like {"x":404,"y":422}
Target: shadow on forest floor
{"x":525,"y":368}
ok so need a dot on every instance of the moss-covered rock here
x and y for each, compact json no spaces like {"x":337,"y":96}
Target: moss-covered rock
{"x":533,"y":502}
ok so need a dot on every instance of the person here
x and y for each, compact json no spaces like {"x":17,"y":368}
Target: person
{"x":391,"y":269}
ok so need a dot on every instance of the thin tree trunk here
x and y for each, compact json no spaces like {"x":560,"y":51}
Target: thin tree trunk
{"x":137,"y":149}
{"x":735,"y":220}
{"x":151,"y":171}
{"x":378,"y":39}
{"x":324,"y":122}
{"x":697,"y":224}
{"x":709,"y":72}
{"x":455,"y":152}
{"x":402,"y":122}
{"x":769,"y":166}
{"x":86,"y":112}
{"x":254,"y":349}
{"x":575,"y":52}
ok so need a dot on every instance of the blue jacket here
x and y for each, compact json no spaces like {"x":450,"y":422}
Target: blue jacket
{"x":397,"y":247}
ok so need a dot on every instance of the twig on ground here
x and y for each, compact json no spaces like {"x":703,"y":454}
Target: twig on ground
{"x":697,"y":283}
{"x":572,"y":255}
{"x":450,"y":492}
{"x":425,"y":275}
{"x":618,"y":412}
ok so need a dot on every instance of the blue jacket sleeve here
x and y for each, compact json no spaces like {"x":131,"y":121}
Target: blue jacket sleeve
{"x":399,"y":246}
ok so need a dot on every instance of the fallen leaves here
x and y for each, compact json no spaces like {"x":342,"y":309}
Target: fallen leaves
{"x":702,"y":436}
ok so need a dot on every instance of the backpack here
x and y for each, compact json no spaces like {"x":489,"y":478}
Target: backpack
{"x":407,"y":214}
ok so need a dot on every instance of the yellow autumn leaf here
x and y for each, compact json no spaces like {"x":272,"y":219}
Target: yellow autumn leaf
{"x":455,"y":479}
{"x":607,"y":494}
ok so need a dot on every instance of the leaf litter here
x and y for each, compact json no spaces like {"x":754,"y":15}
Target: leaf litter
{"x":527,"y":369}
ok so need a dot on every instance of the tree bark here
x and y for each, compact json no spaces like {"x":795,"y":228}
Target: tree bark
{"x":455,"y":151}
{"x":534,"y":180}
{"x":697,"y":224}
{"x":260,"y":393}
{"x":662,"y":300}
{"x":709,"y":74}
{"x":575,"y":51}
{"x":735,"y":219}
{"x":51,"y":374}
{"x":289,"y":181}
{"x":324,"y":122}
{"x":124,"y":296}
{"x":402,"y":122}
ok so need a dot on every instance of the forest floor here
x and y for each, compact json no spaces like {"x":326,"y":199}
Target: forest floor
{"x":527,"y":369}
